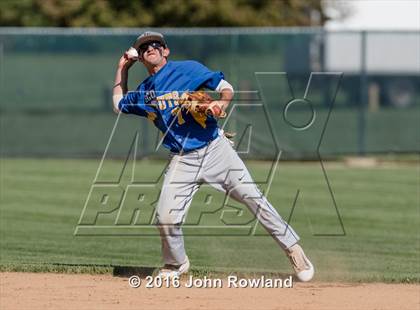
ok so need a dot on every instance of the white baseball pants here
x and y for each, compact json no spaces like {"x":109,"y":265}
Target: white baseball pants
{"x":219,"y":165}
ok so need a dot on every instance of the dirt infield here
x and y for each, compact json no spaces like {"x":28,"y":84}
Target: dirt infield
{"x":71,"y":291}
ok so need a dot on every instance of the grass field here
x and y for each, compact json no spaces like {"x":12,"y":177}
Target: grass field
{"x":41,"y":202}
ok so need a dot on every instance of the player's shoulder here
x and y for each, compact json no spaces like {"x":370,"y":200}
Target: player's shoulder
{"x":187,"y":64}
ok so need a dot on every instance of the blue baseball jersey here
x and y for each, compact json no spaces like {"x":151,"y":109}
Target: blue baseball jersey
{"x":158,"y":96}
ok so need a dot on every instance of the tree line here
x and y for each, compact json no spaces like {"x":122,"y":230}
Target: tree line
{"x":162,"y":13}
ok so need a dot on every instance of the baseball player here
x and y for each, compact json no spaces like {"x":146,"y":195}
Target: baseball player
{"x":199,"y":151}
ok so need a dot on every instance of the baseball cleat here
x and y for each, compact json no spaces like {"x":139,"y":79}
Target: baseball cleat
{"x":303,"y":267}
{"x":171,"y":271}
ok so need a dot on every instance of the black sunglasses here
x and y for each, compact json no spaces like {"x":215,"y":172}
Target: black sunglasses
{"x":144,"y":47}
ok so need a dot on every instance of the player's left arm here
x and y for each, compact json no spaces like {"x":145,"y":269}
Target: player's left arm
{"x":225,"y":89}
{"x":213,"y":80}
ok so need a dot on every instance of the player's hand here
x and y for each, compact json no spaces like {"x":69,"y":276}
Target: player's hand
{"x":216,"y":109}
{"x":125,"y":62}
{"x":201,"y":102}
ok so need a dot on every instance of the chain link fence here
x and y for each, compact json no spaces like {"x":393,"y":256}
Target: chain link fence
{"x":364,"y":95}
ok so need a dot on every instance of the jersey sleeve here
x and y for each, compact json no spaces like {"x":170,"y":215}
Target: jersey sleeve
{"x":133,"y":103}
{"x":204,"y":77}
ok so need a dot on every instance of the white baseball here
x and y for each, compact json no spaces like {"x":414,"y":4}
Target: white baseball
{"x":132,"y":53}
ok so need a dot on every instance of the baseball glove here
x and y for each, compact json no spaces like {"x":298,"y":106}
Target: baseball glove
{"x":202,"y":103}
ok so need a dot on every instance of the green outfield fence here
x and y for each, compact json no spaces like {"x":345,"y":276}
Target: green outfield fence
{"x":56,"y":90}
